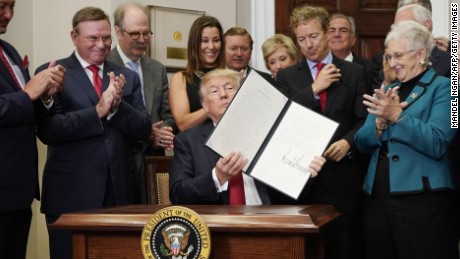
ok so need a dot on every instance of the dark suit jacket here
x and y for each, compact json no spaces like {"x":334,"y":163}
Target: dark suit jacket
{"x":368,"y":67}
{"x":266,"y":76}
{"x":440,"y":61}
{"x":345,"y":106}
{"x":156,"y":87}
{"x":83,"y":149}
{"x":18,"y":150}
{"x":190,"y":177}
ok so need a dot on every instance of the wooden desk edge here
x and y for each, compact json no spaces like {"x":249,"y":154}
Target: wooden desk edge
{"x":307,"y":219}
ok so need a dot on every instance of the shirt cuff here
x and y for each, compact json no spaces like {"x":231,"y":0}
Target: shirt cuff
{"x":219,"y":188}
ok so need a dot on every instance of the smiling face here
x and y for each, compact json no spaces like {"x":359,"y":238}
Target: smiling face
{"x":211,"y":44}
{"x":93,"y":41}
{"x":135,"y":21}
{"x":340,"y":37}
{"x":404,"y":60}
{"x":217,"y":94}
{"x":279,"y":59}
{"x":237,"y":51}
{"x":313,"y":41}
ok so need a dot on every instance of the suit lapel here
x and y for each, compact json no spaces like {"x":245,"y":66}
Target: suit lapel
{"x":16,"y":59}
{"x":434,"y":56}
{"x":6,"y":74}
{"x":334,"y":87}
{"x":206,"y":130}
{"x":148,"y":87}
{"x":78,"y":73}
{"x":420,"y":88}
{"x":305,"y":73}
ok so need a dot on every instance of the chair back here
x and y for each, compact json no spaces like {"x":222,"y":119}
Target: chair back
{"x":157,"y":179}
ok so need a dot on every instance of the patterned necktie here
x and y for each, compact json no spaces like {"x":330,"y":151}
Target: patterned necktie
{"x":134,"y":66}
{"x":323,"y":94}
{"x":236,"y":190}
{"x":9,"y":68}
{"x":97,"y":82}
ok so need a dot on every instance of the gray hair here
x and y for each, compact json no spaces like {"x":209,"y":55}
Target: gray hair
{"x":424,"y":3}
{"x":350,"y":20}
{"x":119,"y":13}
{"x":421,"y":14}
{"x":414,"y":34}
{"x":220,"y":72}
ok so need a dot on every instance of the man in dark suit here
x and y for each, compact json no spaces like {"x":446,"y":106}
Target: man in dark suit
{"x":89,"y":137}
{"x":132,"y":28}
{"x":439,"y":58}
{"x":342,"y":38}
{"x":238,"y":51}
{"x":20,"y":109}
{"x":200,"y":176}
{"x":337,"y":93}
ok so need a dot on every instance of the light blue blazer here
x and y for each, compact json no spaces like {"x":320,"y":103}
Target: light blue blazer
{"x":418,"y":142}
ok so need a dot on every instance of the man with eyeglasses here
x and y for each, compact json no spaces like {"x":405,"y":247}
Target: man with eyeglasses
{"x":95,"y":119}
{"x":418,"y":11}
{"x":342,"y":39}
{"x":132,"y":28}
{"x":439,"y":59}
{"x":238,"y":50}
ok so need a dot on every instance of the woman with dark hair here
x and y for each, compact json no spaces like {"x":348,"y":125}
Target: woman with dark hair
{"x":205,"y":52}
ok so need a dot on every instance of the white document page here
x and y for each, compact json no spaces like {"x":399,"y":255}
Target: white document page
{"x":248,"y":119}
{"x":301,"y":135}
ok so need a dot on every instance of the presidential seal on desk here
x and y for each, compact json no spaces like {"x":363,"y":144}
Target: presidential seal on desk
{"x":176,"y":232}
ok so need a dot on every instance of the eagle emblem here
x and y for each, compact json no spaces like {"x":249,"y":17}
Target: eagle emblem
{"x":176,"y":239}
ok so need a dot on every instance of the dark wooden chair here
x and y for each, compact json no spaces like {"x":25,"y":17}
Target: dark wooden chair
{"x":157,"y":179}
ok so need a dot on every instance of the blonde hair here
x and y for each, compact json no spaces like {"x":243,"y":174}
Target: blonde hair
{"x":275,"y":42}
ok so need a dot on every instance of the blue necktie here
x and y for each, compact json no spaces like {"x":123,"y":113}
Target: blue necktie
{"x":134,"y":66}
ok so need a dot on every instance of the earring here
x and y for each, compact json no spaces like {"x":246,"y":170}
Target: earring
{"x":422,"y":63}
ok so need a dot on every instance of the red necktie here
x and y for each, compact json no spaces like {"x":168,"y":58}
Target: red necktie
{"x":323,"y":94}
{"x":10,"y":69}
{"x":236,"y":190}
{"x":97,"y":82}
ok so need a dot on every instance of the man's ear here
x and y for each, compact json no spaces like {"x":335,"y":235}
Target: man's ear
{"x":353,"y":40}
{"x":429,"y":25}
{"x":422,"y":54}
{"x":118,"y":32}
{"x":73,"y":36}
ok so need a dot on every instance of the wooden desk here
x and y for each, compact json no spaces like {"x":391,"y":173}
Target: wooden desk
{"x":236,"y":231}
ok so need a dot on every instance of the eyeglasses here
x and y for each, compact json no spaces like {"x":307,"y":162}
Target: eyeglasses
{"x":396,"y":56}
{"x":136,"y":34}
{"x":94,"y":39}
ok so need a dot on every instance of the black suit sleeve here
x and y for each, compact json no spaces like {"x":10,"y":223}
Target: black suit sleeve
{"x":190,"y":180}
